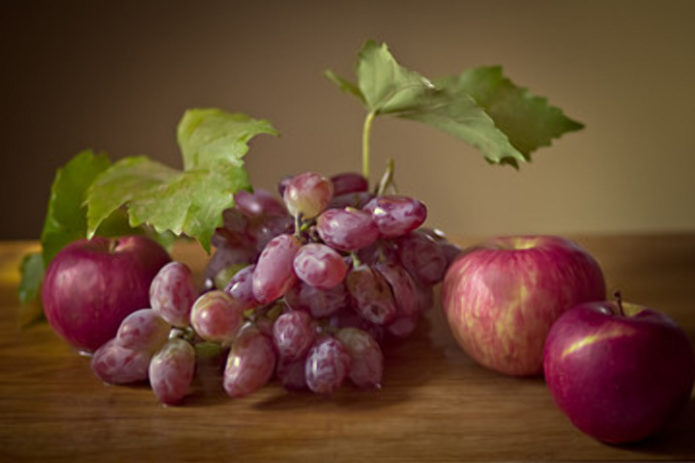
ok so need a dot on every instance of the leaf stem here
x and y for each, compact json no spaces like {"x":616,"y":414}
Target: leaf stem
{"x":366,"y":131}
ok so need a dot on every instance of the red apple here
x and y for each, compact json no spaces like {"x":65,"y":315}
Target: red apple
{"x":619,"y":375}
{"x":501,"y":298}
{"x":92,"y":285}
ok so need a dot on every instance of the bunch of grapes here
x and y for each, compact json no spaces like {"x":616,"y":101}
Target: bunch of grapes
{"x":305,"y":290}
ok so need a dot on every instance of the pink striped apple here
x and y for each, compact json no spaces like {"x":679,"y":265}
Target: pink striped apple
{"x":501,"y":298}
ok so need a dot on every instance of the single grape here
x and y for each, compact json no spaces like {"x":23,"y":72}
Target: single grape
{"x":371,"y":295}
{"x":294,"y":333}
{"x":347,"y":229}
{"x":291,"y":373}
{"x":357,"y":200}
{"x":403,"y":326}
{"x":348,"y":182}
{"x":171,"y":371}
{"x":327,"y":366}
{"x":318,"y":302}
{"x":260,"y":202}
{"x":366,"y":358}
{"x":307,"y":194}
{"x":216,"y":317}
{"x":450,"y":250}
{"x":379,"y":251}
{"x":119,"y":365}
{"x":250,"y":363}
{"x":402,"y":287}
{"x":172,"y":293}
{"x":396,"y":215}
{"x":264,"y":228}
{"x":422,"y":257}
{"x":274,"y":272}
{"x":319,"y":266}
{"x":240,"y":288}
{"x":143,"y":330}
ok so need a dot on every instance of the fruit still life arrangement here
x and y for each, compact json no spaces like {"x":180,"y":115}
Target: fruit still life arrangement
{"x":305,"y":286}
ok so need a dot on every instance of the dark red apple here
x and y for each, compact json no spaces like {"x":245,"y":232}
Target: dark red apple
{"x":618,"y":373}
{"x":501,"y":298}
{"x":92,"y":285}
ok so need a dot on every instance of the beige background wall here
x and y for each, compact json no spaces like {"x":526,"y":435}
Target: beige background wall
{"x":117,"y":76}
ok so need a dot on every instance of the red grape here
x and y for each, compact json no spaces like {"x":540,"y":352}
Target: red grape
{"x":347,"y":229}
{"x":371,"y":295}
{"x":307,"y":194}
{"x":327,"y":366}
{"x":318,"y":302}
{"x":274,"y":272}
{"x":216,"y":317}
{"x":240,"y":288}
{"x":366,"y":358}
{"x":143,"y":330}
{"x":348,"y":182}
{"x":250,"y":363}
{"x":119,"y":365}
{"x":319,"y":266}
{"x":396,"y":215}
{"x":172,"y":293}
{"x":294,"y":333}
{"x":422,"y":258}
{"x":171,"y":371}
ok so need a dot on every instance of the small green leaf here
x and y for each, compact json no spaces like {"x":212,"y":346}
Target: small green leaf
{"x":208,"y":137}
{"x":387,"y":87}
{"x":31,"y":270}
{"x":65,"y":218}
{"x":527,"y":120}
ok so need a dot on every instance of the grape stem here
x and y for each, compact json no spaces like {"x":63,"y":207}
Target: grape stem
{"x":298,"y":225}
{"x":355,"y":260}
{"x":366,"y":131}
{"x":387,"y":178}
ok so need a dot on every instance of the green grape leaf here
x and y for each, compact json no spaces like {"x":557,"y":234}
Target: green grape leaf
{"x":188,"y":202}
{"x":527,"y":120}
{"x":32,"y":271}
{"x":210,"y":137}
{"x":65,"y":219}
{"x":463,"y":118}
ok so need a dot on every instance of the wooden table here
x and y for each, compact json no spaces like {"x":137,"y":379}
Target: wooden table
{"x":436,"y":404}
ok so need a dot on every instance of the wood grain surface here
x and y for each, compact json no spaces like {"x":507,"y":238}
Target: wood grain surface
{"x":435,"y":405}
